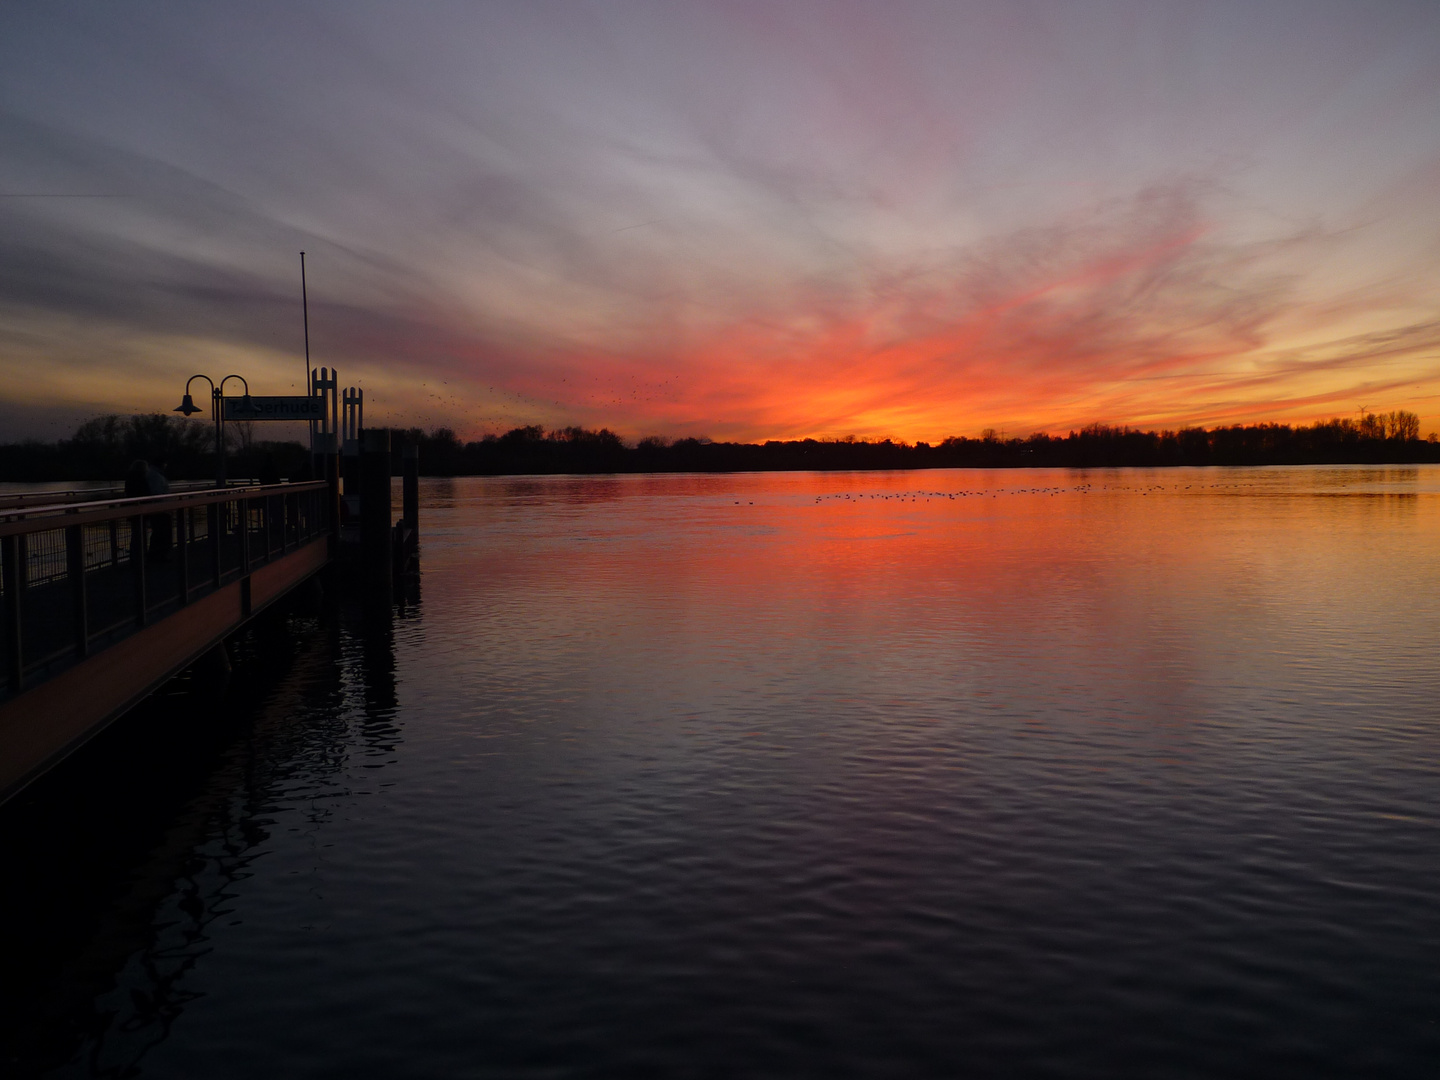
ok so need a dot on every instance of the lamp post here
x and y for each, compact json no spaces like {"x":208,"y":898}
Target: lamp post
{"x":188,"y":408}
{"x":244,"y":406}
{"x":217,"y":414}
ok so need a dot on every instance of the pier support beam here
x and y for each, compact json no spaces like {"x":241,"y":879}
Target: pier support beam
{"x":375,"y":554}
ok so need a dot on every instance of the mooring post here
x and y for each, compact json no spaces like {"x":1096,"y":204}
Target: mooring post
{"x":350,"y":481}
{"x":332,"y":494}
{"x":410,"y":467}
{"x":375,"y":509}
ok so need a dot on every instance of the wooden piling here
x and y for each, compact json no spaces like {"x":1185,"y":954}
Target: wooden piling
{"x":332,"y":476}
{"x":375,"y":554}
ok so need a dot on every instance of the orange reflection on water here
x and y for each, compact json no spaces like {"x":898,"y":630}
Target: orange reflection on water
{"x":1132,"y":596}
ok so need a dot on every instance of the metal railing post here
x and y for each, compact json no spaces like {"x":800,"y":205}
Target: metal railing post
{"x":13,"y":553}
{"x":244,"y":508}
{"x":212,"y":527}
{"x":183,"y":529}
{"x":137,"y":568}
{"x":75,"y":571}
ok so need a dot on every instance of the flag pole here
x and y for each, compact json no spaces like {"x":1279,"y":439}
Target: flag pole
{"x":305,"y":314}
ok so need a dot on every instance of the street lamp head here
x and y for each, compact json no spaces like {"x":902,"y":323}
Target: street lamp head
{"x":188,"y":406}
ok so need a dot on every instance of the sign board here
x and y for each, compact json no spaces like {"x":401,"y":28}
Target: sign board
{"x":275,"y":408}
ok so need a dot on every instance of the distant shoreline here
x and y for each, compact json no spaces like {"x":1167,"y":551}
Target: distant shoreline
{"x":104,"y":451}
{"x":530,"y":451}
{"x":913,"y":468}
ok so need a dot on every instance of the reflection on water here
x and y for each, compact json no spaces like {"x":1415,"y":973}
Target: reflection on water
{"x":1113,"y":773}
{"x":124,"y":867}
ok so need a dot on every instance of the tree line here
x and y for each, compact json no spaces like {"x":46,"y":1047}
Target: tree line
{"x":103,"y":448}
{"x":1374,"y":438}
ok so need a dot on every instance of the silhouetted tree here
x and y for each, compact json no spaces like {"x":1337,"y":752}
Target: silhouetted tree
{"x":103,"y":447}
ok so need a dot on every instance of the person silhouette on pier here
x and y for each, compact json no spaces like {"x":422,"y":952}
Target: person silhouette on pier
{"x":142,"y":480}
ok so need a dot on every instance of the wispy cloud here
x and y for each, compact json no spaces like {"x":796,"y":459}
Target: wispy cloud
{"x":734,"y":220}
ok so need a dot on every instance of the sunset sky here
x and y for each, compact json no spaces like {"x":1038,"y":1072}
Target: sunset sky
{"x":737,"y":220}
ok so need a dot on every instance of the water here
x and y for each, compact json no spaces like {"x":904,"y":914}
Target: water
{"x":1118,"y":773}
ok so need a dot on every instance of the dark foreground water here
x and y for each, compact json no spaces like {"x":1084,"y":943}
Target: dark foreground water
{"x":918,"y":774}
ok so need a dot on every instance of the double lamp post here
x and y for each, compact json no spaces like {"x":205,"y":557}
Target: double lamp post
{"x":217,"y":414}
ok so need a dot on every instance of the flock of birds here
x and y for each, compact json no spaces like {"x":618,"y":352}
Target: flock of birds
{"x":927,"y":496}
{"x":1078,"y":489}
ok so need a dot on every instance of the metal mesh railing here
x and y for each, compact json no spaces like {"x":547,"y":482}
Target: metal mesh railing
{"x":47,"y":551}
{"x":79,"y":577}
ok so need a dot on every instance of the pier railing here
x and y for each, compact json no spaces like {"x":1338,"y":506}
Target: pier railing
{"x":76,"y":577}
{"x":11,"y":501}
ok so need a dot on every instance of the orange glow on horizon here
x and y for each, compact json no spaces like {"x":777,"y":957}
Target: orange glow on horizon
{"x":1094,"y":342}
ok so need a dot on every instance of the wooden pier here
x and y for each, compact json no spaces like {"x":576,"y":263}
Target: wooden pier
{"x":103,"y":601}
